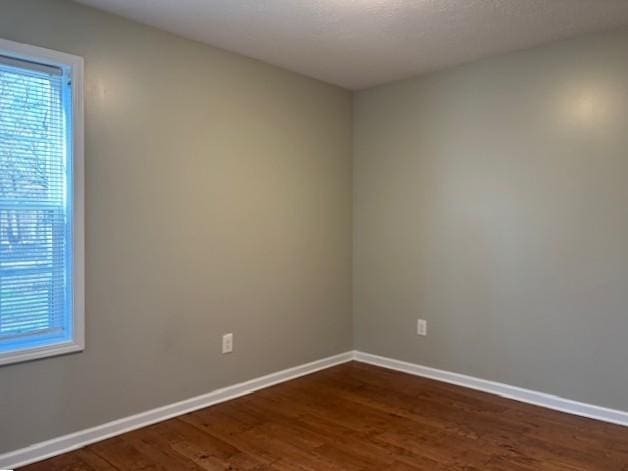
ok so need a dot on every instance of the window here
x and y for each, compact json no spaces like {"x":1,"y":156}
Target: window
{"x":41,"y":203}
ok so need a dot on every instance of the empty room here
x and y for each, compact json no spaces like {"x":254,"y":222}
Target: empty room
{"x":314,"y":235}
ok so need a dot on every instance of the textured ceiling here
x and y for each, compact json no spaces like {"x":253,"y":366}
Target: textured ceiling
{"x":360,"y":43}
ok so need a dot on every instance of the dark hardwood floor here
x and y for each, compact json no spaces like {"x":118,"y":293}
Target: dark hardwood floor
{"x":360,"y":417}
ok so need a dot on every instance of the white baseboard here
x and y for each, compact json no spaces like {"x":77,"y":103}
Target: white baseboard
{"x":504,"y":390}
{"x":56,"y":446}
{"x":73,"y":441}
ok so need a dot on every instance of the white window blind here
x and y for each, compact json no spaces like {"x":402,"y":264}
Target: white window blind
{"x":36,"y":206}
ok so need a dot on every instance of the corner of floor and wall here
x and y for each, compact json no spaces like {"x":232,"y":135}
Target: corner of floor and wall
{"x":488,"y":199}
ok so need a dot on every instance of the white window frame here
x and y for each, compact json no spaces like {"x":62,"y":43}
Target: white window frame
{"x":74,"y":68}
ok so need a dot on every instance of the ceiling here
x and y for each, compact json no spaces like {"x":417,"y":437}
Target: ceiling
{"x":360,"y":43}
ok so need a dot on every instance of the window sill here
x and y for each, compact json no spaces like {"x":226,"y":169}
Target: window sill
{"x":7,"y":358}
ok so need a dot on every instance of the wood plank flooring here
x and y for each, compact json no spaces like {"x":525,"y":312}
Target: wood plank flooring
{"x":360,"y":417}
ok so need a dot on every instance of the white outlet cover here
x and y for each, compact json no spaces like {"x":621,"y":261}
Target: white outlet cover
{"x":227,"y":343}
{"x":421,"y":328}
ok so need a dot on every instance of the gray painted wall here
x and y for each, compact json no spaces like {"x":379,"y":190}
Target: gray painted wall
{"x":492,"y":200}
{"x":218,"y":199}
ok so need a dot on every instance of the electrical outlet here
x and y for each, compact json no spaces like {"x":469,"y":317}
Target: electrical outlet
{"x":421,"y":327}
{"x":227,"y":343}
